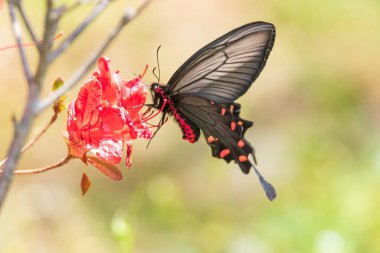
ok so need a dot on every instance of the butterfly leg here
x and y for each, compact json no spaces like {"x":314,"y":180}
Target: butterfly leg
{"x":160,"y":124}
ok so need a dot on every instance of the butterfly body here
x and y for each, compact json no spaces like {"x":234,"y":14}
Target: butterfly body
{"x":201,"y":93}
{"x":162,"y":100}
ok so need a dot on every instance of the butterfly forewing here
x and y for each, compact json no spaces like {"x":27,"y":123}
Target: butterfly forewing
{"x":223,"y":70}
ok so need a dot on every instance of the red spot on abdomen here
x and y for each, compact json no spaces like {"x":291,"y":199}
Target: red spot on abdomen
{"x":188,"y":133}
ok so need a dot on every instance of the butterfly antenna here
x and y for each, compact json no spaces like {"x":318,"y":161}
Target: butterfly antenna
{"x":158,"y":64}
{"x":154,"y":73}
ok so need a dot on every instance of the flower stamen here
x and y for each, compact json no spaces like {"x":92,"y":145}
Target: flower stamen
{"x":145,"y":70}
{"x":158,"y":112}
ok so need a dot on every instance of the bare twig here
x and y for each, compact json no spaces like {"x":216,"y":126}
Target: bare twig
{"x":35,"y":83}
{"x":69,"y":40}
{"x":32,"y":142}
{"x":17,"y":32}
{"x":43,"y":131}
{"x":25,"y":19}
{"x":128,"y":16}
{"x":51,"y":22}
{"x":44,"y":169}
{"x":22,"y":128}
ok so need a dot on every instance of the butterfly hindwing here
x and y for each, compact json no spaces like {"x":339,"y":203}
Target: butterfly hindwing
{"x":222,"y":127}
{"x":224,"y":130}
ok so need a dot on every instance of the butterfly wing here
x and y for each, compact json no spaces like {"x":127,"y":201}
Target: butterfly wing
{"x":224,"y":131}
{"x":204,"y":88}
{"x":223,"y":70}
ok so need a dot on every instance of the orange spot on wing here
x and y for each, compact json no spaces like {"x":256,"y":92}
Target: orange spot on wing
{"x":240,"y":123}
{"x":243,"y":158}
{"x":233,"y":125}
{"x":223,"y":111}
{"x":210,"y":139}
{"x":241,"y":143}
{"x":224,"y":153}
{"x":232,"y":108}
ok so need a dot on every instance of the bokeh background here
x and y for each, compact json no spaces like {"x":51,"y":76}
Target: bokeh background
{"x":316,"y":112}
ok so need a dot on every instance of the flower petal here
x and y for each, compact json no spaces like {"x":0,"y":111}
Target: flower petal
{"x":110,"y":82}
{"x":133,"y":96}
{"x":109,"y":150}
{"x":110,"y":170}
{"x":76,"y":145}
{"x":86,"y":104}
{"x":128,"y":158}
{"x":85,"y":184}
{"x":142,"y":130}
{"x":112,"y":118}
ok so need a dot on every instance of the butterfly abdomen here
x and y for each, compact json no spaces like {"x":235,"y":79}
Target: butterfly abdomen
{"x":190,"y":131}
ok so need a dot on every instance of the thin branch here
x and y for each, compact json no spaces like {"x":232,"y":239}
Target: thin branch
{"x":27,"y":24}
{"x":32,"y":142}
{"x":17,"y":32}
{"x":44,"y":169}
{"x":128,"y":17}
{"x":43,"y":131}
{"x":35,"y":83}
{"x":51,"y":23}
{"x":70,"y":39}
{"x":22,"y":128}
{"x":60,"y":163}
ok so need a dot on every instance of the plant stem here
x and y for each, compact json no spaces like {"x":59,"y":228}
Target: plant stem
{"x":31,"y":143}
{"x":22,"y":128}
{"x":28,"y":25}
{"x":51,"y":22}
{"x":44,"y":169}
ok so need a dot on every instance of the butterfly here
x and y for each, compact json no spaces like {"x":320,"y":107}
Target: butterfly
{"x":201,"y":93}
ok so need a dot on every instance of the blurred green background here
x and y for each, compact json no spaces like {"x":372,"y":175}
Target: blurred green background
{"x":316,"y":113}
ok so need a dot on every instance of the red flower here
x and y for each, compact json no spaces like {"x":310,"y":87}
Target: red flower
{"x":105,"y":117}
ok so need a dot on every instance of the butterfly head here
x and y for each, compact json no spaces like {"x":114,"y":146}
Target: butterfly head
{"x":155,"y":87}
{"x":158,"y":90}
{"x":158,"y":94}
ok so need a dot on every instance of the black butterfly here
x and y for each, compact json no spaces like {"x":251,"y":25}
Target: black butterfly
{"x":201,"y":93}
